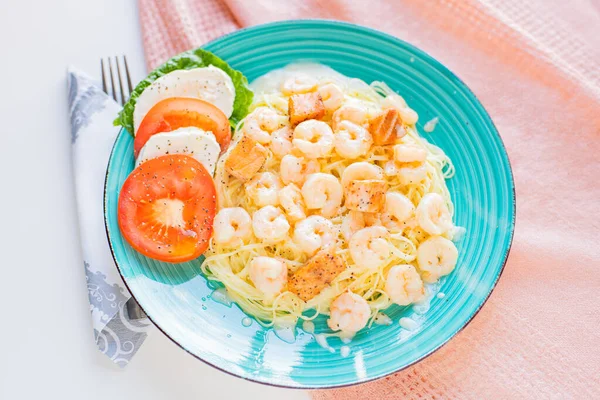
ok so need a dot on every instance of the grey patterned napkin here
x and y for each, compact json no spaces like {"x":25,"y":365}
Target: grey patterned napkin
{"x":92,"y":136}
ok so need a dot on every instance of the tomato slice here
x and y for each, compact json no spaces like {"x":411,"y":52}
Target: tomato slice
{"x":166,"y":208}
{"x":181,"y":112}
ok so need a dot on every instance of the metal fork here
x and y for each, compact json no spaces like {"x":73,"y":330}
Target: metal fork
{"x":133,"y":308}
{"x":113,"y":89}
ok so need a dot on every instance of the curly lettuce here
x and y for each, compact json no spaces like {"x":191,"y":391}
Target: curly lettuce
{"x":188,"y":60}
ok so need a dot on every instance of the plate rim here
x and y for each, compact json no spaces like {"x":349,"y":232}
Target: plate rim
{"x":445,"y":70}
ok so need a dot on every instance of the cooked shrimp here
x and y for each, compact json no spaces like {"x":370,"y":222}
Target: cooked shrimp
{"x":270,"y":225}
{"x":232,"y":226}
{"x":354,"y":221}
{"x":407,"y":114}
{"x":398,"y":209}
{"x":353,"y":113}
{"x":262,"y":122}
{"x":324,"y":192}
{"x":409,"y":175}
{"x":281,"y":141}
{"x":348,"y":313}
{"x":436,"y":257}
{"x":394,"y":101}
{"x":352,"y":140}
{"x":390,"y":168}
{"x":332,"y":96}
{"x":268,"y":274}
{"x":404,"y":285}
{"x":290,"y":198}
{"x":369,"y":247}
{"x":409,"y":153}
{"x":300,"y":83}
{"x":433,"y":215}
{"x":313,"y":138}
{"x":264,"y":189}
{"x":295,"y":169}
{"x":361,"y":171}
{"x":314,"y":233}
{"x":409,"y":160}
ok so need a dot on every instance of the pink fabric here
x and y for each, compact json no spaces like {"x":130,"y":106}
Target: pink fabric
{"x":536,"y":67}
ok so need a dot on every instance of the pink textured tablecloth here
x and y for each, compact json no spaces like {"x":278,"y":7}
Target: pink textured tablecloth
{"x":535,"y":65}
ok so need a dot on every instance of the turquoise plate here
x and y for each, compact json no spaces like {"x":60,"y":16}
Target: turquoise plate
{"x":179,"y":300}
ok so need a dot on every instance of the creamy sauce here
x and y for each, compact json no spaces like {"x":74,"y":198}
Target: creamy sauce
{"x":345,"y":351}
{"x":382,"y":319}
{"x":430,"y":125}
{"x":286,"y":333}
{"x":440,"y":295}
{"x":246,"y":321}
{"x":422,"y":306}
{"x":220,"y":296}
{"x":345,"y":339}
{"x":457,"y":233}
{"x":408,"y":323}
{"x":321,"y":339}
{"x":271,"y":81}
{"x":308,"y":327}
{"x":267,"y":87}
{"x":359,"y":366}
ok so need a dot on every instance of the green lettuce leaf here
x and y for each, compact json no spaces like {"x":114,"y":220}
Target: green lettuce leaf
{"x":188,"y":60}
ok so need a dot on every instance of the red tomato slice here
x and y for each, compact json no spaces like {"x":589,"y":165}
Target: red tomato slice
{"x":166,"y":208}
{"x":181,"y":112}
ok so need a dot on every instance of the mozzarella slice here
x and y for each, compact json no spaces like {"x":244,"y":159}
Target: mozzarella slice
{"x":191,"y":141}
{"x":210,"y":84}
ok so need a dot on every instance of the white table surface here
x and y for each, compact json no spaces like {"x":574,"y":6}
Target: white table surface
{"x":46,"y":336}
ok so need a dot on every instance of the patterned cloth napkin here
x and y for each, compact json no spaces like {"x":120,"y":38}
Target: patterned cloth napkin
{"x":535,"y":65}
{"x":92,"y":137}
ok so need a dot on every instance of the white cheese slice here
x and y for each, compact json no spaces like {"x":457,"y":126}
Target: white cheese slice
{"x":210,"y":84}
{"x":191,"y":141}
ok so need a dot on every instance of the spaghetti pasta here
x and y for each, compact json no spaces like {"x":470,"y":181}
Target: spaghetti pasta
{"x":229,"y":264}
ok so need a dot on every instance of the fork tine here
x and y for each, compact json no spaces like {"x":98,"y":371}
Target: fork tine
{"x":112,"y":80}
{"x":120,"y":81}
{"x":103,"y":76}
{"x":129,"y":86}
